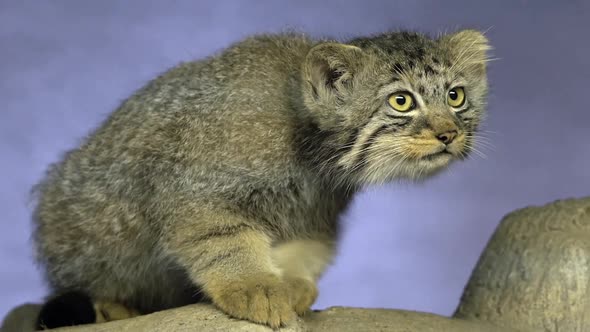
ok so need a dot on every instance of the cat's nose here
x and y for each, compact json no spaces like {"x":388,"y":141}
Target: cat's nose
{"x":447,"y":137}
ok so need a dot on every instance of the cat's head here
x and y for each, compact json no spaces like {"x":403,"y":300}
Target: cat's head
{"x":396,"y":105}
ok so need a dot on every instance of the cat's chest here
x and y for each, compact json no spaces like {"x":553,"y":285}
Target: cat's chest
{"x":297,"y":208}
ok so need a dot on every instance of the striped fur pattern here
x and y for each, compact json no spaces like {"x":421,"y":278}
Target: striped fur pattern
{"x":223,"y":179}
{"x":374,"y":144}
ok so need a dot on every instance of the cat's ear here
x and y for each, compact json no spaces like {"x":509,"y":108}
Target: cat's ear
{"x":330,"y":67}
{"x":469,"y":48}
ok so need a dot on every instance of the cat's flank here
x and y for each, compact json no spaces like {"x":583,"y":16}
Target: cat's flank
{"x":223,"y":179}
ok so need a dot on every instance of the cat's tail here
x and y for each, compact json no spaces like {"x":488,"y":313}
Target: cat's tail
{"x":78,"y":308}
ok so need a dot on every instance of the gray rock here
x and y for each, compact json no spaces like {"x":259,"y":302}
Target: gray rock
{"x":535,"y":271}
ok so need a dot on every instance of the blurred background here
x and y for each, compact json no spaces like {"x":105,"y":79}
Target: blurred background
{"x":65,"y":65}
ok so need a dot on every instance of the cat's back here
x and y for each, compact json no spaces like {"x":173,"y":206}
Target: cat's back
{"x":227,"y":113}
{"x":255,"y":70}
{"x":249,"y":84}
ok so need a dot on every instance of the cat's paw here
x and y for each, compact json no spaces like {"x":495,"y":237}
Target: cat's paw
{"x":263,"y":298}
{"x":110,"y":311}
{"x":303,"y":293}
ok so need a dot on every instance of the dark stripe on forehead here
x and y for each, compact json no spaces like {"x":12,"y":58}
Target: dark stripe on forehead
{"x":393,"y":79}
{"x":397,"y":69}
{"x":415,"y":51}
{"x":430,"y":71}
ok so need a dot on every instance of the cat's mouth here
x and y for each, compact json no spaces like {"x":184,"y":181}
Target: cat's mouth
{"x":445,"y":153}
{"x":439,"y":154}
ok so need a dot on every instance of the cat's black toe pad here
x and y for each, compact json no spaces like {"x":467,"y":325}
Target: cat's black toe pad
{"x":68,"y":309}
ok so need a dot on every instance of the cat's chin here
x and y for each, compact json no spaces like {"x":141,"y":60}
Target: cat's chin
{"x":416,"y":170}
{"x":433,"y":165}
{"x":426,"y":168}
{"x":436,"y":160}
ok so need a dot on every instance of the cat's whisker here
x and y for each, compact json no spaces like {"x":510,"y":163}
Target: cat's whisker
{"x":486,"y":131}
{"x":487,"y":30}
{"x":483,"y":148}
{"x":478,"y":152}
{"x":492,"y":59}
{"x":484,"y":143}
{"x":479,"y":134}
{"x":480,"y":137}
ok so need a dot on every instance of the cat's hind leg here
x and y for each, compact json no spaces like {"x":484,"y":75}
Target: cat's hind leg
{"x":77,"y":308}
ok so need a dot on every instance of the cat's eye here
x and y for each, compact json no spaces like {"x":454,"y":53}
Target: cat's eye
{"x":456,"y":97}
{"x":402,"y":102}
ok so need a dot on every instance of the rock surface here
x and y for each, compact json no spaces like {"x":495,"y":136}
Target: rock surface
{"x":202,"y":317}
{"x":21,"y":318}
{"x":535,"y":270}
{"x":534,"y":275}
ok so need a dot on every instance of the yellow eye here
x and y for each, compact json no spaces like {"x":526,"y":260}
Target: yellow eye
{"x":401,"y":101}
{"x":456,"y":97}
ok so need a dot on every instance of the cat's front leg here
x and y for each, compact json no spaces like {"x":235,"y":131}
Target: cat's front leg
{"x":304,"y":260}
{"x":230,"y":259}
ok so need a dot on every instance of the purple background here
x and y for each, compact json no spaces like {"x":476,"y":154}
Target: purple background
{"x":64,"y":65}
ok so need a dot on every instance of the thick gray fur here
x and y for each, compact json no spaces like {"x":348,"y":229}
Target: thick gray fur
{"x":217,"y":175}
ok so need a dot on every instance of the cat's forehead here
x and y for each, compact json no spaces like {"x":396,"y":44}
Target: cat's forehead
{"x":411,"y":56}
{"x":410,"y":47}
{"x":429,"y":74}
{"x":428,"y":77}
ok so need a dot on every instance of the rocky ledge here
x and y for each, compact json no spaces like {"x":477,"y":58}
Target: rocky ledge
{"x":534,"y":275}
